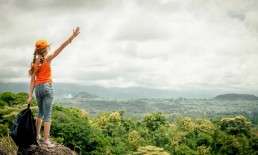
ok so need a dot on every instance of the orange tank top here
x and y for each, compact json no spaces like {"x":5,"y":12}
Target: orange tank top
{"x":45,"y":73}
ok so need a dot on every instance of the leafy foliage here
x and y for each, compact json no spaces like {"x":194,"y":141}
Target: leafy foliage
{"x":150,"y":150}
{"x":112,"y":133}
{"x":236,"y":125}
{"x":211,"y":109}
{"x":134,"y":140}
{"x":112,"y":127}
{"x":12,"y":99}
{"x":70,"y":125}
{"x":4,"y":130}
{"x":2,"y":103}
{"x":154,"y":121}
{"x":9,"y":98}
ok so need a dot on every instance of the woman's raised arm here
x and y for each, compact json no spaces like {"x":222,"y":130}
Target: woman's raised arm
{"x":64,"y":44}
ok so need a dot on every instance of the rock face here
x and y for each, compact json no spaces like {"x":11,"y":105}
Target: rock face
{"x":42,"y":149}
{"x":2,"y":151}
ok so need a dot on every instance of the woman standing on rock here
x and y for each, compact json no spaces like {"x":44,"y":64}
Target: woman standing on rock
{"x":41,"y":79}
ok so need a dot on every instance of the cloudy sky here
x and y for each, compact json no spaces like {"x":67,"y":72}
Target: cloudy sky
{"x":202,"y":45}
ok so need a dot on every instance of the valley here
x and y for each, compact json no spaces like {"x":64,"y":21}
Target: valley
{"x":211,"y":109}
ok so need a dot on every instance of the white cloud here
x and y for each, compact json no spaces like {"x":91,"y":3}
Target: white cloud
{"x":193,"y":44}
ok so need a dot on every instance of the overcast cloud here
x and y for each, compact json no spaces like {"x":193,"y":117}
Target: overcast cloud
{"x":202,"y":45}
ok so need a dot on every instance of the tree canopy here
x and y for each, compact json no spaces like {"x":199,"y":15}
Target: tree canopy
{"x":111,"y":133}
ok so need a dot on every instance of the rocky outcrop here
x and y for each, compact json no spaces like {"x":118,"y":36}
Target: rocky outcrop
{"x":2,"y":151}
{"x":42,"y":149}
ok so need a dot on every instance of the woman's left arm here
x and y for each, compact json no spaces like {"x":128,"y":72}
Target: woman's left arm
{"x":64,"y":44}
{"x":32,"y":86}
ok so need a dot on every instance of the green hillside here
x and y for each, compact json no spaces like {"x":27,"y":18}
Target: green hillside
{"x":211,"y":109}
{"x":111,"y":133}
{"x":236,"y":97}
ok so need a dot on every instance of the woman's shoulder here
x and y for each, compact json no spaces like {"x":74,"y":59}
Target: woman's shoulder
{"x":48,"y":59}
{"x":37,"y":61}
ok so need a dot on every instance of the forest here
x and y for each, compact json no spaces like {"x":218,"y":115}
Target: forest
{"x":111,"y":132}
{"x":221,"y":106}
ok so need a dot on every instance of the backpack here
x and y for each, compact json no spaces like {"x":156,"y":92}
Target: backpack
{"x":23,"y":131}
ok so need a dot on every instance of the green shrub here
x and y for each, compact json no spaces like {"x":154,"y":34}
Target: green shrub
{"x":154,"y":121}
{"x":2,"y":103}
{"x":9,"y":98}
{"x":76,"y":133}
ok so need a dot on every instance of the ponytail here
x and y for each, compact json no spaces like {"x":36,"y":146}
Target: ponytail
{"x":40,"y":52}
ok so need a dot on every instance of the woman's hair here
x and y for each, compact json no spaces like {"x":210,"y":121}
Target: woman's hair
{"x":35,"y":54}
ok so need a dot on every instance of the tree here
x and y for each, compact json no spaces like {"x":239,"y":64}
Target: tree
{"x":76,"y":132}
{"x":150,"y":150}
{"x":14,"y":99}
{"x":2,"y":103}
{"x":192,"y":136}
{"x":184,"y":149}
{"x":134,"y":140}
{"x":112,"y":127}
{"x":9,"y":98}
{"x":236,"y":125}
{"x":21,"y":98}
{"x":161,"y":137}
{"x":154,"y":121}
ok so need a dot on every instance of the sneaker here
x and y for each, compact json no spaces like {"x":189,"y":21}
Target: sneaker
{"x":39,"y":138}
{"x":49,"y":144}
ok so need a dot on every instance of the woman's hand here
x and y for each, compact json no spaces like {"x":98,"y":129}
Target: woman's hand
{"x":64,"y":44}
{"x":76,"y":31}
{"x":29,"y":99}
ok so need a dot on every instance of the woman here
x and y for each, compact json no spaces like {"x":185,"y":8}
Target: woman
{"x":41,"y":80}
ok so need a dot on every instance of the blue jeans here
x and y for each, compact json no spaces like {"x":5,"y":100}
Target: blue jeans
{"x":44,"y":97}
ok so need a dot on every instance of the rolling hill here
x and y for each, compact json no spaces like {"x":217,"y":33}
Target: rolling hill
{"x":236,"y":97}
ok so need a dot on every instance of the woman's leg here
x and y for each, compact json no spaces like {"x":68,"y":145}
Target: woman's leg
{"x":38,"y":127}
{"x":47,"y":126}
{"x":48,"y":110}
{"x":40,"y":103}
{"x":47,"y":120}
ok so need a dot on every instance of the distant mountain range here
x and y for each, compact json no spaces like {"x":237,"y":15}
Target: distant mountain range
{"x":69,"y":90}
{"x":236,"y":97}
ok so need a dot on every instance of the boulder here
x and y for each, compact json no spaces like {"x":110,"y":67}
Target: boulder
{"x":42,"y":149}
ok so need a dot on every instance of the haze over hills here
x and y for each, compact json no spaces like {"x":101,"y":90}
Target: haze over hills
{"x":69,"y":90}
{"x":228,"y":97}
{"x":139,"y":101}
{"x":85,"y":95}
